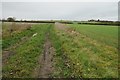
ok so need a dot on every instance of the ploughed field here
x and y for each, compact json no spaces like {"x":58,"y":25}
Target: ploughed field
{"x":59,"y":50}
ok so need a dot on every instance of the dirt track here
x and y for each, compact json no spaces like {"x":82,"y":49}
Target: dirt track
{"x":46,"y":61}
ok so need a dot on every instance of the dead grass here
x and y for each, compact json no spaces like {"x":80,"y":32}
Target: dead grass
{"x":8,"y":29}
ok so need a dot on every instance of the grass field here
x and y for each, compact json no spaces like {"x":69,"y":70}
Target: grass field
{"x":90,"y":54}
{"x":79,"y":50}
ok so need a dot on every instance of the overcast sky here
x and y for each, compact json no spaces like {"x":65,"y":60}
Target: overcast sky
{"x":61,"y":10}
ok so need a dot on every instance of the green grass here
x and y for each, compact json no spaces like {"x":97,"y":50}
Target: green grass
{"x":16,"y":38}
{"x":18,"y":31}
{"x":90,"y":57}
{"x":81,"y":51}
{"x":25,"y":59}
{"x":61,"y":70}
{"x":105,"y":34}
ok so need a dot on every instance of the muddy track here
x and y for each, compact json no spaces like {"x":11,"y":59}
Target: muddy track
{"x":46,"y":60}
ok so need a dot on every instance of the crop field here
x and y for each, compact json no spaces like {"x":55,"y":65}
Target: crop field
{"x":56,"y":50}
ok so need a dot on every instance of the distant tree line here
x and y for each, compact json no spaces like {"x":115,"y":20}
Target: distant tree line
{"x":116,"y":23}
{"x":91,"y":22}
{"x":13,"y":19}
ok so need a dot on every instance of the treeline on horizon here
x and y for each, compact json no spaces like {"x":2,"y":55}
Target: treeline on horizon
{"x":91,"y":22}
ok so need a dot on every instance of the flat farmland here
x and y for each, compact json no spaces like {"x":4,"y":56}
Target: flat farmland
{"x":59,"y":50}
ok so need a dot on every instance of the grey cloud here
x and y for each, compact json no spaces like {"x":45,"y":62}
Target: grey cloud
{"x":61,"y":10}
